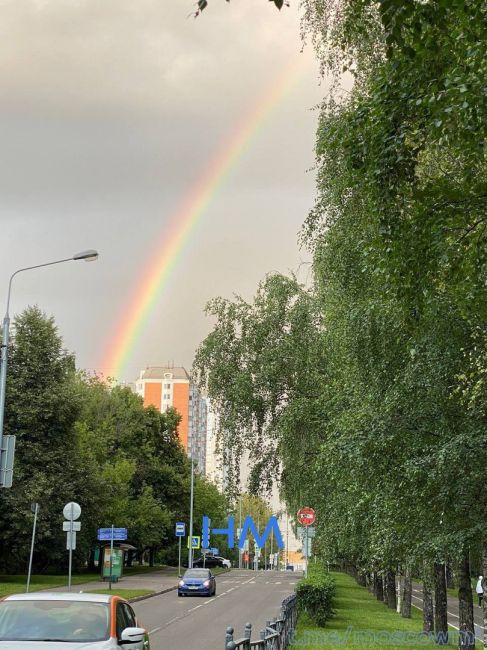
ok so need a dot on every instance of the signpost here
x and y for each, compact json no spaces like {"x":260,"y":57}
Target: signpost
{"x":180,"y":533}
{"x":71,"y":512}
{"x":306,"y":517}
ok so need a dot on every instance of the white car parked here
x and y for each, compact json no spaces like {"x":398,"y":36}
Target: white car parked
{"x":69,"y":621}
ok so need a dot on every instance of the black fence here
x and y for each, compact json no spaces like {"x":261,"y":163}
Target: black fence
{"x":277,"y":634}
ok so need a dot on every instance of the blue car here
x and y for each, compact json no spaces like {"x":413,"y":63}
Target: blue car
{"x":197,"y":582}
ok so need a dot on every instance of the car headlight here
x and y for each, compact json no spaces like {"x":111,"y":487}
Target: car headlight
{"x":206,"y":583}
{"x":181,"y":583}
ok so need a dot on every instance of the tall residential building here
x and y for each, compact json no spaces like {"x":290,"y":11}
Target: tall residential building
{"x":165,"y":387}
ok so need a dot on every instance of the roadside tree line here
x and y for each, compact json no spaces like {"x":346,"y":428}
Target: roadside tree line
{"x":365,"y":393}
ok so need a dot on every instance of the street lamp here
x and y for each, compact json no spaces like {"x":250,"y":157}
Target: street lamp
{"x":88,"y":256}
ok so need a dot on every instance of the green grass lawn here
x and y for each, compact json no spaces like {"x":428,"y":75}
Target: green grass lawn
{"x":362,"y":621}
{"x":17,"y":584}
{"x":14,"y":584}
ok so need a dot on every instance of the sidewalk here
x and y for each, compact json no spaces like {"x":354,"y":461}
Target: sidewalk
{"x":157,"y":581}
{"x":417,"y":600}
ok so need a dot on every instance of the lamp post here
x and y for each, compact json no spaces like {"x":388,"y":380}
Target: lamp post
{"x":191,"y":503}
{"x":88,"y":256}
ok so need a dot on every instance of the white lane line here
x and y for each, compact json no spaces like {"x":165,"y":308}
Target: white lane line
{"x":451,"y":624}
{"x":450,"y":613}
{"x":156,"y":629}
{"x":278,"y":583}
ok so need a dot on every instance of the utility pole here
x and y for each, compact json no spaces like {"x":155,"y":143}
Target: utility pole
{"x":287,"y":540}
{"x":35,"y":510}
{"x":240,"y":551}
{"x":191,"y":501}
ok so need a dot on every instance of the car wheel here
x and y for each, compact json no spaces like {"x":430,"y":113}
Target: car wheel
{"x":179,"y":594}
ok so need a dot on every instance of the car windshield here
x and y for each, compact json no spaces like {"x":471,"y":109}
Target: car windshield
{"x":53,"y":620}
{"x":197,"y":573}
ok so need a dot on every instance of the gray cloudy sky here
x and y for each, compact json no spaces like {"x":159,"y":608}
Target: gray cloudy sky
{"x":109,"y":111}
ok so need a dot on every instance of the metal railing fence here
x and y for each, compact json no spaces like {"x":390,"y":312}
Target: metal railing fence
{"x":277,"y":634}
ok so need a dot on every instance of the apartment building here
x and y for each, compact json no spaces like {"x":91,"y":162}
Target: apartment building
{"x":165,"y":387}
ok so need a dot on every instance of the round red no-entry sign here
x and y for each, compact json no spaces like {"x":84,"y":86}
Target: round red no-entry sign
{"x":306,"y":516}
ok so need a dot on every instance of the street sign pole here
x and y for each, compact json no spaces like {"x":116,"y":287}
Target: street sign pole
{"x":70,"y":546}
{"x":36,"y":510}
{"x":179,"y":563}
{"x":306,"y":556}
{"x":111,"y":559}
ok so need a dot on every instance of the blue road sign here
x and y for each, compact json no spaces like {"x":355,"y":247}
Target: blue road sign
{"x":119,"y":534}
{"x":214,"y":551}
{"x":180,"y":529}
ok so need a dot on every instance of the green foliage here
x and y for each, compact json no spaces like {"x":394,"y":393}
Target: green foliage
{"x":369,"y":389}
{"x":315,"y":596}
{"x":80,"y":439}
{"x":203,"y":4}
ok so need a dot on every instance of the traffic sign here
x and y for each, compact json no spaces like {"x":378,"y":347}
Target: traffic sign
{"x":180,"y":529}
{"x":306,"y":516}
{"x":74,"y":526}
{"x":309,"y":531}
{"x":214,"y":551}
{"x":72,"y":511}
{"x":71,"y":542}
{"x":7,"y":454}
{"x":119,"y":534}
{"x":195,"y":541}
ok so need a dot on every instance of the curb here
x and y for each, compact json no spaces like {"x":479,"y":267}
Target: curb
{"x":155,"y":593}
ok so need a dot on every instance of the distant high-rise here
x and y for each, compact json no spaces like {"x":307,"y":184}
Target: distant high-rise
{"x":165,"y":387}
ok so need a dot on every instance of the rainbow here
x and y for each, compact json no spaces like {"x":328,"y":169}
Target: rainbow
{"x":182,"y":223}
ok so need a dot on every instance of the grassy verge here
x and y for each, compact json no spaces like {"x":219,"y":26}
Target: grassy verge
{"x":14,"y":584}
{"x":17,"y":584}
{"x":362,"y":621}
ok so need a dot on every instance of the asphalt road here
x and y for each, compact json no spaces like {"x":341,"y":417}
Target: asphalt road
{"x":200,"y":622}
{"x":453,"y":613}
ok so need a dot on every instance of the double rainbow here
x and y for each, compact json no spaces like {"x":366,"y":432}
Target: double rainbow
{"x":149,"y":289}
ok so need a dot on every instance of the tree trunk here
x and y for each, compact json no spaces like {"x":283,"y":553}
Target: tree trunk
{"x":379,"y":587}
{"x":152,"y":555}
{"x":391,"y":590}
{"x":400,"y":588}
{"x":407,"y":594}
{"x":360,"y":578}
{"x":428,"y":616}
{"x":465,"y":604}
{"x":441,"y":615}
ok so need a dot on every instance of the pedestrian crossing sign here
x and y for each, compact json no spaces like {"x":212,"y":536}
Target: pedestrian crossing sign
{"x":195,"y":541}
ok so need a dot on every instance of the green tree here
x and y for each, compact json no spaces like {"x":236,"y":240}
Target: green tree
{"x":41,"y":410}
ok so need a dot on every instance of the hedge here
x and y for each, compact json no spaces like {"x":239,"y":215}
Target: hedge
{"x":315,"y":596}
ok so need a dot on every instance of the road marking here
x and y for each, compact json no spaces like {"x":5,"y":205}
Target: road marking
{"x":450,"y":624}
{"x":156,"y":629}
{"x":193,"y":608}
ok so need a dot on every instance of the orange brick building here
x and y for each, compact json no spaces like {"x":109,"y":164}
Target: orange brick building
{"x":165,"y":387}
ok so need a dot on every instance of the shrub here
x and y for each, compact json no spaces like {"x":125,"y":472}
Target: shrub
{"x":315,"y":596}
